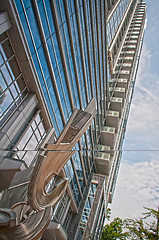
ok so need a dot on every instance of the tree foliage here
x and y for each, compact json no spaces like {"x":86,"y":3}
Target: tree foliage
{"x":132,"y":228}
{"x":114,"y":230}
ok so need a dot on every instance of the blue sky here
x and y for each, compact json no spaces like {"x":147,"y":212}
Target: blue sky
{"x":138,"y":179}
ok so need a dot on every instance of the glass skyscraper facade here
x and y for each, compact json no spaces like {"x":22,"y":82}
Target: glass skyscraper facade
{"x":67,"y":74}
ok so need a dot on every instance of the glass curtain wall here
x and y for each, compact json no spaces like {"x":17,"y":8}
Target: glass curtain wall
{"x":12,"y":86}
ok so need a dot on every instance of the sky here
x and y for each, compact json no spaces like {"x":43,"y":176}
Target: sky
{"x":138,"y":178}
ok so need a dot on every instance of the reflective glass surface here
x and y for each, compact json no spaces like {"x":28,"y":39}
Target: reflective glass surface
{"x":30,"y":140}
{"x":114,"y":21}
{"x":31,"y":30}
{"x":61,"y":208}
{"x":10,"y":75}
{"x":88,"y":205}
{"x":73,"y":181}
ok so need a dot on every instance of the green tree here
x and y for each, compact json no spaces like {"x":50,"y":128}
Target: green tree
{"x":133,"y":229}
{"x":114,"y":230}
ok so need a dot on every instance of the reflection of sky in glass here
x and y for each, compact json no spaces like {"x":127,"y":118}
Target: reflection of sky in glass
{"x":13,"y":91}
{"x":41,"y":129}
{"x":8,"y":83}
{"x":3,"y":84}
{"x":37,"y":134}
{"x":6,"y":74}
{"x":10,"y":70}
{"x":29,"y":156}
{"x":61,"y":208}
{"x":31,"y":30}
{"x":1,"y":59}
{"x":27,"y":135}
{"x":30,"y":141}
{"x":115,"y":20}
{"x":88,"y":205}
{"x":73,"y":183}
{"x":6,"y":102}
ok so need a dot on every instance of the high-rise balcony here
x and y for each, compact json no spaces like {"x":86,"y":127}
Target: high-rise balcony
{"x":125,"y":73}
{"x":136,"y":18}
{"x":129,"y":48}
{"x":133,"y":33}
{"x":141,"y":9}
{"x":137,"y":22}
{"x":131,"y":38}
{"x":116,"y":105}
{"x":127,"y":54}
{"x":130,"y":42}
{"x":139,"y":14}
{"x":108,"y":136}
{"x":126,"y":59}
{"x":123,"y":83}
{"x":104,"y":148}
{"x":119,"y":92}
{"x":124,"y":66}
{"x":102,"y":161}
{"x":136,"y":29}
{"x":112,"y":119}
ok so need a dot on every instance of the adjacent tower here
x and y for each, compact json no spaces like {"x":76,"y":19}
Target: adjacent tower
{"x":67,"y":75}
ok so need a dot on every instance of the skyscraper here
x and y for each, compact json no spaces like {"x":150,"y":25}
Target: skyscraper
{"x":67,"y":74}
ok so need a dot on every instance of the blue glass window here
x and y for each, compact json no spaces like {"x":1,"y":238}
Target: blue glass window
{"x":88,"y":205}
{"x":10,"y":74}
{"x":73,"y":182}
{"x":34,"y":41}
{"x":78,"y":167}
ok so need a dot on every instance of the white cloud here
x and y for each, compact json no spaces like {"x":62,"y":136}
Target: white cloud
{"x":137,"y":186}
{"x":144,"y":64}
{"x":144,"y":112}
{"x":145,"y":108}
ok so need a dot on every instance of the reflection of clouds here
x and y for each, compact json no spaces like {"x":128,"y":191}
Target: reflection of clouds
{"x":6,"y":74}
{"x":6,"y":102}
{"x":25,"y":138}
{"x":32,"y":143}
{"x":41,"y":129}
{"x":138,"y":186}
{"x":29,"y":141}
{"x":29,"y":157}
